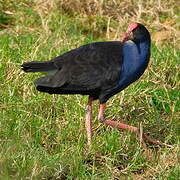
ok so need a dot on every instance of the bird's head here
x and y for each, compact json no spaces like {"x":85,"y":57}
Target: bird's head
{"x":136,"y":32}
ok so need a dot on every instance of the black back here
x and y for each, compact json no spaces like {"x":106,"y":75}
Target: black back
{"x":90,"y":69}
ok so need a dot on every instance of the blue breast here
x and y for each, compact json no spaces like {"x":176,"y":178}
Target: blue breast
{"x":135,"y":61}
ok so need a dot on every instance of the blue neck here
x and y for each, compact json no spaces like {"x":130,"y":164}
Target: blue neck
{"x":135,"y":61}
{"x":136,"y":55}
{"x":143,"y":50}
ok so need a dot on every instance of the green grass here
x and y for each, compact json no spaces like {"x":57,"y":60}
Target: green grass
{"x":43,"y":136}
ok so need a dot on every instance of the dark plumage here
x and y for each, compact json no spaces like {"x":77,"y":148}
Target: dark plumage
{"x":99,"y":69}
{"x":92,"y":69}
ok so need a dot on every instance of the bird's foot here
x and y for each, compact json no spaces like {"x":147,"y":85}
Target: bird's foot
{"x":141,"y":136}
{"x":119,"y":125}
{"x":101,"y":119}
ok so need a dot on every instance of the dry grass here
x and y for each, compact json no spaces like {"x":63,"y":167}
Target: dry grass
{"x":160,"y":15}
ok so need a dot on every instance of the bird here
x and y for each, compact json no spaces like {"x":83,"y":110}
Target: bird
{"x":98,"y":69}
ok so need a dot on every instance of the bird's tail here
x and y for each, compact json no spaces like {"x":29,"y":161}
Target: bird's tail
{"x":38,"y":66}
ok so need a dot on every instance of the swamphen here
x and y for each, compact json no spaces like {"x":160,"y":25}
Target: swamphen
{"x":99,"y":69}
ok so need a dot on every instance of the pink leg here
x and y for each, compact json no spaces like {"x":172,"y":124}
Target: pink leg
{"x":125,"y":126}
{"x":113,"y":123}
{"x":88,"y":120}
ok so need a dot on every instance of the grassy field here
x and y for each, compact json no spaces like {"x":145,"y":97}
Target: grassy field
{"x":43,"y":136}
